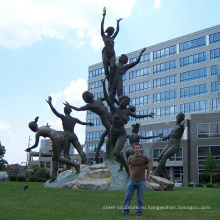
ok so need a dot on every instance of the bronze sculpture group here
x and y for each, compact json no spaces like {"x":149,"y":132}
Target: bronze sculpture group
{"x":113,"y":121}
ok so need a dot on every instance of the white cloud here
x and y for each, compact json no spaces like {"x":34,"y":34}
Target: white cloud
{"x":25,"y":22}
{"x":157,"y":4}
{"x":73,"y":95}
{"x":4,"y":126}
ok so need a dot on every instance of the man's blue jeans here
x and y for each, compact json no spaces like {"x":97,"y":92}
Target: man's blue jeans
{"x":132,"y":185}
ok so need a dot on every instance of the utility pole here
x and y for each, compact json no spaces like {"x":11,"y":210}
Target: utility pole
{"x":29,"y":140}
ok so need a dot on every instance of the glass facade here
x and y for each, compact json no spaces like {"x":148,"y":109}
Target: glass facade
{"x":193,"y":74}
{"x":192,"y":44}
{"x":194,"y":90}
{"x":164,"y":52}
{"x":193,"y":107}
{"x":136,"y":74}
{"x":193,"y":59}
{"x":208,"y":130}
{"x":163,"y":67}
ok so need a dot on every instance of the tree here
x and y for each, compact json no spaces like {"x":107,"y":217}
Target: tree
{"x":2,"y":161}
{"x":211,"y":166}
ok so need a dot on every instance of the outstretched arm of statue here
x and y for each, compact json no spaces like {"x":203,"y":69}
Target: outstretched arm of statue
{"x":141,"y":116}
{"x":84,"y":123}
{"x":35,"y":145}
{"x":49,"y":101}
{"x":117,"y":29}
{"x":83,"y":108}
{"x":102,"y":25}
{"x":128,"y":66}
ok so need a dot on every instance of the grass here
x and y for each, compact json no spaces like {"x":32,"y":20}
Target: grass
{"x":64,"y":204}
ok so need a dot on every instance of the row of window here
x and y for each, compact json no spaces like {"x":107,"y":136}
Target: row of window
{"x":193,"y":59}
{"x":166,"y":111}
{"x":208,"y":130}
{"x":194,"y":90}
{"x":162,"y":67}
{"x":165,"y":96}
{"x":193,"y":74}
{"x":215,"y":86}
{"x":139,"y":87}
{"x":165,"y":81}
{"x":176,"y":157}
{"x":192,"y":44}
{"x":215,"y":54}
{"x":93,"y":135}
{"x":164,"y":52}
{"x":95,"y":121}
{"x":140,"y":101}
{"x":192,"y":107}
{"x":95,"y":85}
{"x":95,"y":73}
{"x":136,"y":74}
{"x":214,"y":38}
{"x":144,"y":58}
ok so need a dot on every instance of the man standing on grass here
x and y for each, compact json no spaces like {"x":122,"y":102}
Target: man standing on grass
{"x":137,"y":164}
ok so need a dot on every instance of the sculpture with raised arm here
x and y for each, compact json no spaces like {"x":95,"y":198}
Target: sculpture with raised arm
{"x":120,"y":117}
{"x":100,"y":109}
{"x":173,"y":145}
{"x":69,"y":123}
{"x":116,"y":84}
{"x":58,"y":143}
{"x":135,"y":138}
{"x":108,"y":52}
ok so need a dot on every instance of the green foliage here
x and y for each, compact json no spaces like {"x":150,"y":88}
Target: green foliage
{"x":21,"y":178}
{"x":13,"y":178}
{"x":200,"y":185}
{"x":209,"y":185}
{"x":190,"y":185}
{"x":211,"y":166}
{"x":38,"y":174}
{"x":2,"y":161}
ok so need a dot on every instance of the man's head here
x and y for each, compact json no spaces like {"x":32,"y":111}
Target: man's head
{"x":87,"y":96}
{"x":137,"y":148}
{"x":110,"y":31}
{"x":180,"y":117}
{"x":123,"y":58}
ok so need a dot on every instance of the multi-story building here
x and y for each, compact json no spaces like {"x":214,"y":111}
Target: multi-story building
{"x":177,"y":75}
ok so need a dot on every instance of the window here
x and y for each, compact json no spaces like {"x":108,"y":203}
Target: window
{"x":194,"y":90}
{"x":95,"y":73}
{"x":139,"y":73}
{"x":215,"y":87}
{"x":164,"y":52}
{"x":215,"y":54}
{"x":193,"y":59}
{"x":214,"y":38}
{"x":165,"y":111}
{"x":139,"y":87}
{"x":162,"y":67}
{"x":208,"y":130}
{"x":192,"y":107}
{"x":189,"y":45}
{"x":215,"y":70}
{"x":165,"y":96}
{"x":215,"y":104}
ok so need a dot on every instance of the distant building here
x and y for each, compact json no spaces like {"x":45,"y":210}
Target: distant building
{"x":177,"y":75}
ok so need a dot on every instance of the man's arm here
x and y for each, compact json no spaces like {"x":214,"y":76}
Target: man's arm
{"x":150,"y":137}
{"x":49,"y":101}
{"x":102,"y":25}
{"x":128,"y":66}
{"x":35,"y":145}
{"x":148,"y":171}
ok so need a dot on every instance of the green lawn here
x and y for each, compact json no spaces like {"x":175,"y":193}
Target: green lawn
{"x":61,"y":204}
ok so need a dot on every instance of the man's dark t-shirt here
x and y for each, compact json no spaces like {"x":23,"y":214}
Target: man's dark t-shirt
{"x":137,"y":166}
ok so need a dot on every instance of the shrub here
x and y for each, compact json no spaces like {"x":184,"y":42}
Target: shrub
{"x":190,"y":185}
{"x":200,"y":185}
{"x":21,"y":179}
{"x":13,"y":178}
{"x":33,"y":179}
{"x":209,"y":185}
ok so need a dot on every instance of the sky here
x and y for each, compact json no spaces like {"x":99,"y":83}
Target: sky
{"x":46,"y":48}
